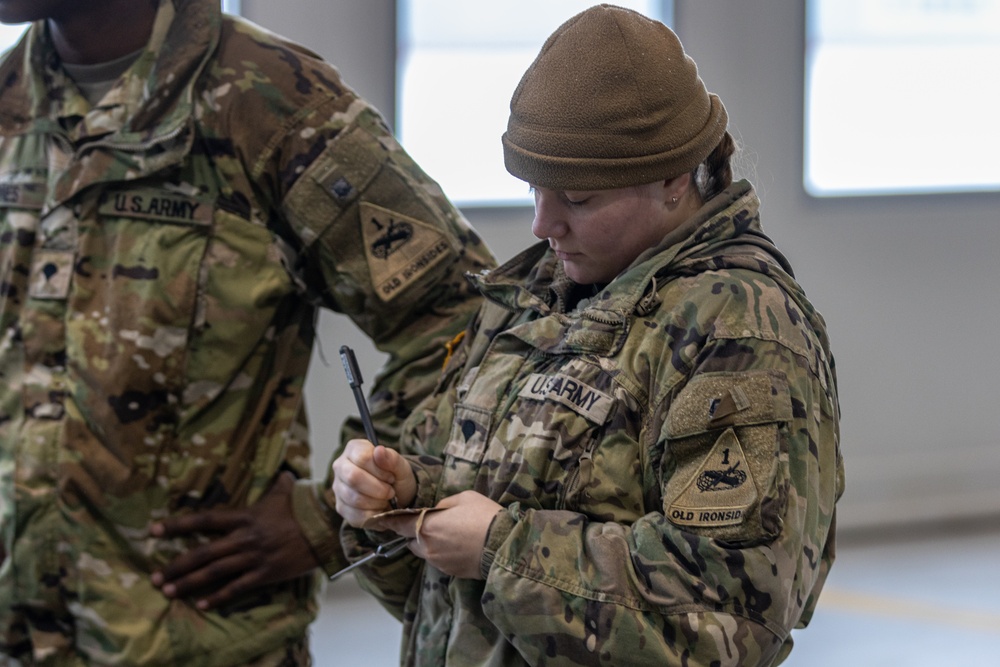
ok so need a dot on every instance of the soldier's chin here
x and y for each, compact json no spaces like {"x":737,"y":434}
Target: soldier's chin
{"x":575,"y":272}
{"x":582,"y":275}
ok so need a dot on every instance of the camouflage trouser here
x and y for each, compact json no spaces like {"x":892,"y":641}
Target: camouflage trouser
{"x":294,"y":654}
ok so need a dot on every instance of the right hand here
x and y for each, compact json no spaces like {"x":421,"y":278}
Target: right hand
{"x":249,"y":548}
{"x":366,"y":478}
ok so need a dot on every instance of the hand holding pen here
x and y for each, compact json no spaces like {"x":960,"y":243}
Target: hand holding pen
{"x":350,"y":362}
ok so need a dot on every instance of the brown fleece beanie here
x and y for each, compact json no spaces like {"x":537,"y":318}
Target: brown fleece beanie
{"x":610,"y":101}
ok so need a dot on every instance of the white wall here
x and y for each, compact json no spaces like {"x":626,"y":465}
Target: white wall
{"x":905,"y":283}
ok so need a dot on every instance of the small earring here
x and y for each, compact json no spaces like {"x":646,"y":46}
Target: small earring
{"x":673,"y":200}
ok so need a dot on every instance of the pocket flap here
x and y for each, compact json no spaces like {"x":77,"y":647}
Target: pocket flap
{"x":713,"y":401}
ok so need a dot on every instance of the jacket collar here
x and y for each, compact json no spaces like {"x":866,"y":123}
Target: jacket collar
{"x":146,"y":122}
{"x":724,"y":232}
{"x":143,"y":106}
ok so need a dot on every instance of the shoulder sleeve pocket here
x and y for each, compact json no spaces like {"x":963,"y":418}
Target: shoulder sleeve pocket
{"x":333,"y":181}
{"x":369,"y":221}
{"x":725,"y":470}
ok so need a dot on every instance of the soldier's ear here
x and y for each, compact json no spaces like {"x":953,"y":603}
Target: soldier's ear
{"x":675,"y":188}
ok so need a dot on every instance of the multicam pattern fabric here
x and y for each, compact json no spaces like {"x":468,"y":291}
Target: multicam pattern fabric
{"x":666,"y":452}
{"x":163,"y":255}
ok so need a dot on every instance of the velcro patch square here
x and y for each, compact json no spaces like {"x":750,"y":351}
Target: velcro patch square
{"x":51,"y":272}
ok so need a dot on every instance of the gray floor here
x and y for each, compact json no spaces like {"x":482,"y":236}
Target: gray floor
{"x":894,"y":599}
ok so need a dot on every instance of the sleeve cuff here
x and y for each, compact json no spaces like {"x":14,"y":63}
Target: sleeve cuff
{"x":500,"y":528}
{"x":426,"y":487}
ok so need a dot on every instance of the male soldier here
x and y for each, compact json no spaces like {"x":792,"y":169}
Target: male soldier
{"x":178,"y":191}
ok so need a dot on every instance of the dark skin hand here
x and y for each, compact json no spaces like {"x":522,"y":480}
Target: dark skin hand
{"x":252,"y":547}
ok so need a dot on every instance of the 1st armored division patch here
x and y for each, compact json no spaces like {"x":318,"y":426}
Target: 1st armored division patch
{"x":720,"y":491}
{"x":399,"y":249}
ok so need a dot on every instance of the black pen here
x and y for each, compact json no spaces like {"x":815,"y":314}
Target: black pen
{"x":354,"y":379}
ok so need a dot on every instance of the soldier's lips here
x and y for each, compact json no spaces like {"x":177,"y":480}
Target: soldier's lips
{"x":566,"y":256}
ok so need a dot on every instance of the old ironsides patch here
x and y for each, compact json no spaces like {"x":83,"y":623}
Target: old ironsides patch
{"x":399,"y":249}
{"x":721,"y":489}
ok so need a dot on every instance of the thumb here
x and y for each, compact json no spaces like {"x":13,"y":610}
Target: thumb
{"x":405,"y":483}
{"x":284,"y":483}
{"x":390,"y":461}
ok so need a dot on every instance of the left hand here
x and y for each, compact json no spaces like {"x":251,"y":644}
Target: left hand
{"x":451,"y":540}
{"x":252,"y":547}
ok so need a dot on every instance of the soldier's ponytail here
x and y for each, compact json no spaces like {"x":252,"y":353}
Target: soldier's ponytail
{"x":715,"y":174}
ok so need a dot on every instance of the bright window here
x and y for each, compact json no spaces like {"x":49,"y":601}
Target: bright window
{"x":458,"y":63}
{"x":9,"y":34}
{"x":901,"y":96}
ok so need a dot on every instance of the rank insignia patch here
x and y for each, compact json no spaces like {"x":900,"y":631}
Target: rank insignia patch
{"x":51,"y":271}
{"x":399,"y":249}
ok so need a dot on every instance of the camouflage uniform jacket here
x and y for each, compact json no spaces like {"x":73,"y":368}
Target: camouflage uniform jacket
{"x":666,"y":453}
{"x":163,"y":255}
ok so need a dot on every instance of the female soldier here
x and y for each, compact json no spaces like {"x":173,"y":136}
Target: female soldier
{"x":633,"y":455}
